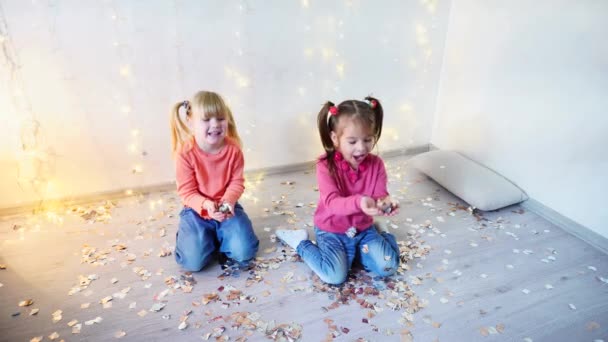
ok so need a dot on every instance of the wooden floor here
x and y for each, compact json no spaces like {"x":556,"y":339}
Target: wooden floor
{"x":507,"y":275}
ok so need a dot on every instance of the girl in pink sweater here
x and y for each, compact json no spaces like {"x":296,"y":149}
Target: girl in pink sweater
{"x":209,"y":172}
{"x":353,"y":188}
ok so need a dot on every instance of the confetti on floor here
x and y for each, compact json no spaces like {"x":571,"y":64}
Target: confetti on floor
{"x":119,"y":276}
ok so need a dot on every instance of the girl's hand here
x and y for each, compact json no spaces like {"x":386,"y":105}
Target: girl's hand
{"x":368,"y":206}
{"x":209,"y":206}
{"x":227,"y":209}
{"x":218,"y":216}
{"x":387,"y":206}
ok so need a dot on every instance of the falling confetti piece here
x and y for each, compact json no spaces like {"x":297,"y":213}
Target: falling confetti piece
{"x":142,"y":313}
{"x":592,"y":268}
{"x":157,"y":307}
{"x":85,"y":305}
{"x":72,"y":322}
{"x":37,"y":339}
{"x":26,"y":302}
{"x":572,"y":306}
{"x":527,"y":339}
{"x":182,"y":326}
{"x":525,"y":291}
{"x":443,"y":300}
{"x":33,"y":312}
{"x":548,"y":286}
{"x":76,"y":328}
{"x":114,"y":281}
{"x":57,"y":316}
{"x":120,"y":334}
{"x":53,"y":336}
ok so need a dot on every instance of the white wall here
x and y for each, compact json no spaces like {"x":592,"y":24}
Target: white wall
{"x":100,"y":77}
{"x":524,"y":90}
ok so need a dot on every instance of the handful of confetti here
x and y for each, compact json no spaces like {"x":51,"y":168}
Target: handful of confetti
{"x":385,"y":206}
{"x":225,"y":208}
{"x":351,"y":232}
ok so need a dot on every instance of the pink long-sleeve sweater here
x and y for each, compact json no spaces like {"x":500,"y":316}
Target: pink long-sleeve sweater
{"x":203,"y":176}
{"x":339,"y":206}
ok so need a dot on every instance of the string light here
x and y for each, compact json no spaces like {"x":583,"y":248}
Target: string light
{"x":35,"y":162}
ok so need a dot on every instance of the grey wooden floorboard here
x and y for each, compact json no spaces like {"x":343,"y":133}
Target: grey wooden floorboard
{"x":473,"y":278}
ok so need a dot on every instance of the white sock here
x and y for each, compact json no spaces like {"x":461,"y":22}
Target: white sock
{"x":292,"y":237}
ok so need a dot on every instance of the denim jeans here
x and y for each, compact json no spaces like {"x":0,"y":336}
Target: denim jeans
{"x":333,"y":255}
{"x":197,"y":239}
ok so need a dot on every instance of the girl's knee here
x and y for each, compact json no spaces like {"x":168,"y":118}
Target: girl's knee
{"x":334,"y":278}
{"x":382,"y":261}
{"x":191,"y":260}
{"x":243,"y":250}
{"x":387,"y":268}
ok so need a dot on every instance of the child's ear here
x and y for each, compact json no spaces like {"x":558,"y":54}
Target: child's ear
{"x":334,"y":138}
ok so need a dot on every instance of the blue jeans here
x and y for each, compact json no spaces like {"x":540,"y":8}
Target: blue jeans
{"x":197,"y":239}
{"x":333,"y":255}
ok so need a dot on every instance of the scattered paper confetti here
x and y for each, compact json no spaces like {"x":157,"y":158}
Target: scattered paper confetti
{"x":26,"y":302}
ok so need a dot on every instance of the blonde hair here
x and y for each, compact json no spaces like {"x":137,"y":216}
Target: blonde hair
{"x":204,"y":105}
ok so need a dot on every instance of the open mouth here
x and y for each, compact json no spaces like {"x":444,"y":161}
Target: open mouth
{"x":360,"y":158}
{"x":214,"y":133}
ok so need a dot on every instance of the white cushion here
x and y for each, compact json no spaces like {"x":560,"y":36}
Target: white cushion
{"x":474,"y":183}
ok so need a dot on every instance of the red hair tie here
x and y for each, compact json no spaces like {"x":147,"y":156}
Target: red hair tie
{"x":372,"y":103}
{"x":333,"y":111}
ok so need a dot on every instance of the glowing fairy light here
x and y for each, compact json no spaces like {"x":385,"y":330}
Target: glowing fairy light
{"x":340,"y":69}
{"x":421,"y":35}
{"x":125,"y":109}
{"x":304,"y":3}
{"x":406,"y":107}
{"x":129,"y":192}
{"x":242,"y":82}
{"x":125,"y":71}
{"x":133,"y":148}
{"x":327,"y":53}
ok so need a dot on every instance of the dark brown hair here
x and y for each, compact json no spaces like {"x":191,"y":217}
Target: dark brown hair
{"x":368,"y":113}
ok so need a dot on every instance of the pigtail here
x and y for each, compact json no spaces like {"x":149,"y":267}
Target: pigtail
{"x":232,"y":131}
{"x":378,"y":116}
{"x":325,"y":122}
{"x":180,"y":133}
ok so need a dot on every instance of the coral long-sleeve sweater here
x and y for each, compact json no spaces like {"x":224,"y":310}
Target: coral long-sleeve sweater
{"x":339,"y":206}
{"x":203,"y":176}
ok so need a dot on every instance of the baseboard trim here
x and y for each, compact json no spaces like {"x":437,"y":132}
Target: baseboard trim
{"x":589,"y":236}
{"x":33,"y":207}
